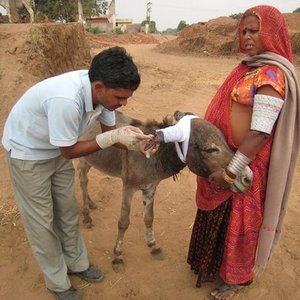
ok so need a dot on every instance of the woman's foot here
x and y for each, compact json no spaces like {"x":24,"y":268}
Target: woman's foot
{"x":225,"y":292}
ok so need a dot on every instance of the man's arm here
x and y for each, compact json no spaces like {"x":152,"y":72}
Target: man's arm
{"x":105,"y":128}
{"x":82,"y":148}
{"x":126,"y":137}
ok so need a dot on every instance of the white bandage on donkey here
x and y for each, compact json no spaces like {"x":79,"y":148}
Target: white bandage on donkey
{"x":178,"y":133}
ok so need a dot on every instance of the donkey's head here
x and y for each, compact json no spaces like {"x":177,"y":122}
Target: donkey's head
{"x":208,"y":152}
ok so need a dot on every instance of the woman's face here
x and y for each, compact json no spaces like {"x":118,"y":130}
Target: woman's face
{"x":249,"y":35}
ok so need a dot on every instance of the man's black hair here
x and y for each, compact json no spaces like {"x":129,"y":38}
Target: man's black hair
{"x":115,"y":68}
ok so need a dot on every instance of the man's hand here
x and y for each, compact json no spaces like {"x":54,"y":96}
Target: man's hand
{"x":132,"y":137}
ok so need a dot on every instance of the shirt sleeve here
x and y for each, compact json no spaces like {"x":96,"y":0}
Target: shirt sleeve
{"x":107,"y":117}
{"x":273,"y":76}
{"x":63,"y":121}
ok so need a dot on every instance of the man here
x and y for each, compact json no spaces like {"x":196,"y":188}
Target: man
{"x":41,"y":136}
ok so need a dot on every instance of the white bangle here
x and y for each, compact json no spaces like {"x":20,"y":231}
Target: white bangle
{"x":238,"y":163}
{"x":265,"y":112}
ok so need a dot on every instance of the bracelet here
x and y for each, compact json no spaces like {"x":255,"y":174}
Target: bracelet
{"x":227,"y":178}
{"x":238,"y":163}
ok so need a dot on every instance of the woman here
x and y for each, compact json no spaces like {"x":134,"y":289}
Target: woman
{"x":257,"y":109}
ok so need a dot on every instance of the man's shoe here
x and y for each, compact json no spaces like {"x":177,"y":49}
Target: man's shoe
{"x":70,"y":294}
{"x":92,"y":274}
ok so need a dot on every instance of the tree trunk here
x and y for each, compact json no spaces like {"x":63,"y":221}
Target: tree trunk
{"x":27,"y":5}
{"x":80,"y":12}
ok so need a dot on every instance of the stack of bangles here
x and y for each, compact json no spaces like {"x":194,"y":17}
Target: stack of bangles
{"x":237,"y":164}
{"x":227,"y":177}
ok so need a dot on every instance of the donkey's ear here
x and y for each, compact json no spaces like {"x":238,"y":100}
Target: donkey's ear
{"x":179,"y":114}
{"x":168,"y":120}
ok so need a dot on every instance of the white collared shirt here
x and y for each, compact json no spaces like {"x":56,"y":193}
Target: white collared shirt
{"x":52,"y":114}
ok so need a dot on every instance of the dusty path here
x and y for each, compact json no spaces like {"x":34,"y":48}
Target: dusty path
{"x":168,"y":83}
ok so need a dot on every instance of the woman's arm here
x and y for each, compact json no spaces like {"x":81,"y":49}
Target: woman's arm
{"x":249,"y":147}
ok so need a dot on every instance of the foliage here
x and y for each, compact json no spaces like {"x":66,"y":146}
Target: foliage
{"x":118,"y":31}
{"x":297,"y":10}
{"x":92,"y":29}
{"x":182,"y":24}
{"x":58,"y":9}
{"x":236,"y":16}
{"x":90,"y":7}
{"x":67,"y":10}
{"x":169,"y":31}
{"x":23,"y":13}
{"x":152,"y":26}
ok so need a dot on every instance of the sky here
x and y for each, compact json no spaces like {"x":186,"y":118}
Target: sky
{"x":168,"y":13}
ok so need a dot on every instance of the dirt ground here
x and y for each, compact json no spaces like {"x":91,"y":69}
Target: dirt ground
{"x":169,"y":83}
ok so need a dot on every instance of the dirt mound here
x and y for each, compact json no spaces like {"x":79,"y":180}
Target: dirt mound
{"x":104,"y":39}
{"x":292,"y":21}
{"x":51,"y":49}
{"x":29,"y":53}
{"x":34,"y":52}
{"x":218,"y":37}
{"x":47,"y":49}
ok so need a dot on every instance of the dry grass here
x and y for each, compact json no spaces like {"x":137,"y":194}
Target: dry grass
{"x":52,"y":49}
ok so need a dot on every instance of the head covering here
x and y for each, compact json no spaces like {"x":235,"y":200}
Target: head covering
{"x":273,"y":31}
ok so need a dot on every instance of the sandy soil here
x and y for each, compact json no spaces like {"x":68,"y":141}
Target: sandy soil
{"x":169,"y":83}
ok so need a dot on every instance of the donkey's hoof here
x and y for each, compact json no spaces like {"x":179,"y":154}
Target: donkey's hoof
{"x":92,"y":205}
{"x":118,"y":265}
{"x":155,"y":250}
{"x":88,"y":222}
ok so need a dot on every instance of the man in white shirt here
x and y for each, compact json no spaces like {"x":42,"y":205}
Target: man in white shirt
{"x":41,"y":137}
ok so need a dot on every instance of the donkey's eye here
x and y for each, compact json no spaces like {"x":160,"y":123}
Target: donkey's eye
{"x":211,"y":150}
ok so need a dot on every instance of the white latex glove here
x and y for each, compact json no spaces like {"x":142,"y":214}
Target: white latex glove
{"x":130,"y":136}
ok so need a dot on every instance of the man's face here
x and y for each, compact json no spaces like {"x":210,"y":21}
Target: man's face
{"x":110,"y":98}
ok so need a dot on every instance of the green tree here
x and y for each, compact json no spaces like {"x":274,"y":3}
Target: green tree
{"x":152,"y":26}
{"x":90,"y":7}
{"x":58,"y":9}
{"x":297,"y":10}
{"x":182,"y":24}
{"x":169,"y":31}
{"x":68,"y":9}
{"x":236,"y":16}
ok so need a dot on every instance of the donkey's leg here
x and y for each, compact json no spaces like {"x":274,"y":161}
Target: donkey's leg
{"x":83,"y":169}
{"x":124,"y":221}
{"x":148,"y":201}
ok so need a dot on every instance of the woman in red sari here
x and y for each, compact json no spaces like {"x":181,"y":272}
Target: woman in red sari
{"x":257,"y":109}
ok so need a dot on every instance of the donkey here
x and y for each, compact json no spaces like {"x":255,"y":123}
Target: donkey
{"x":207,"y":152}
